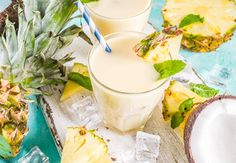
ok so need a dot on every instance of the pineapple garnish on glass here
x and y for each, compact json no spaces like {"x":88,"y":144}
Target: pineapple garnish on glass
{"x":28,"y":62}
{"x":159,"y":45}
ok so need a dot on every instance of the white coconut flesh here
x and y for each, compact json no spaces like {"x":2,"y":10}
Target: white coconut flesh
{"x":213,"y":136}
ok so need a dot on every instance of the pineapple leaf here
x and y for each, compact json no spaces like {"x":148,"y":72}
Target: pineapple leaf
{"x":70,"y":32}
{"x":5,"y":148}
{"x":39,"y":82}
{"x":18,"y":61}
{"x":58,"y":14}
{"x":29,"y":7}
{"x":88,"y":1}
{"x":29,"y":38}
{"x":37,"y":23}
{"x":42,"y":43}
{"x":4,"y":56}
{"x":11,"y":39}
{"x":22,"y":26}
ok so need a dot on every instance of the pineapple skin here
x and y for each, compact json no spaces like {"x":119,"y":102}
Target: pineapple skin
{"x":13,"y":115}
{"x":84,"y":146}
{"x":197,"y":43}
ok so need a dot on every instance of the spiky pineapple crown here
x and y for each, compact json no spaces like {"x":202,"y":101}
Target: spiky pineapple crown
{"x":27,"y":54}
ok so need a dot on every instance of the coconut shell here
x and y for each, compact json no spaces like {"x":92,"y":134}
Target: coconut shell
{"x":191,"y":120}
{"x":11,"y":12}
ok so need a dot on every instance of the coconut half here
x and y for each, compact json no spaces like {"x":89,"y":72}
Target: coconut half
{"x":210,"y":132}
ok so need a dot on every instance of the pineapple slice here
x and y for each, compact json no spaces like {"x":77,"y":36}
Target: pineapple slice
{"x":158,"y":46}
{"x":174,"y":96}
{"x":218,"y":25}
{"x":83,"y":146}
{"x":71,"y":87}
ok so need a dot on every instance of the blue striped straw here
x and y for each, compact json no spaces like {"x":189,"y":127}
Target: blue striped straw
{"x":93,"y":27}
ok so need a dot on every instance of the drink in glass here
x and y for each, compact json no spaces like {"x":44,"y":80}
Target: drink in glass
{"x":120,"y":15}
{"x":125,"y":85}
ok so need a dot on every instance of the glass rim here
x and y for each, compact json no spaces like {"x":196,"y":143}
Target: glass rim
{"x":110,"y":18}
{"x":109,"y":36}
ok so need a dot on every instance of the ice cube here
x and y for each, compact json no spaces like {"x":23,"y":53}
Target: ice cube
{"x":218,"y":75}
{"x":85,"y":102}
{"x":147,"y":147}
{"x":87,"y":113}
{"x":35,"y":155}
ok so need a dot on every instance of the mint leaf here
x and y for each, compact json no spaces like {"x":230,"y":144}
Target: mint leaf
{"x":190,"y":19}
{"x":5,"y":148}
{"x":178,"y":117}
{"x":186,"y":105}
{"x":169,"y":68}
{"x":176,"y":120}
{"x":203,"y":90}
{"x":80,"y":79}
{"x":88,"y":1}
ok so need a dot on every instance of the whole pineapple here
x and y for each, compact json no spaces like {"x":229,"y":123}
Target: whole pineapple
{"x":28,"y":62}
{"x":213,"y":22}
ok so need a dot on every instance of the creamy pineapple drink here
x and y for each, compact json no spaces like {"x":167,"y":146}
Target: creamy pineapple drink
{"x":125,"y":85}
{"x":120,"y":15}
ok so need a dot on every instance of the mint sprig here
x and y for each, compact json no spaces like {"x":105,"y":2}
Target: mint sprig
{"x":5,"y":148}
{"x":80,"y":79}
{"x":179,"y":116}
{"x":169,"y":68}
{"x":186,"y":106}
{"x":203,"y":90}
{"x":176,"y":120}
{"x":190,"y":19}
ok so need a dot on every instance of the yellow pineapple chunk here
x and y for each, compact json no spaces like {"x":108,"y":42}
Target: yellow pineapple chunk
{"x":174,"y":96}
{"x":71,"y":87}
{"x":83,"y":146}
{"x":159,"y":46}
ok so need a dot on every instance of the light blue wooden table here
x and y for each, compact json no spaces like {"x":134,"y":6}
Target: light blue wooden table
{"x":214,"y":67}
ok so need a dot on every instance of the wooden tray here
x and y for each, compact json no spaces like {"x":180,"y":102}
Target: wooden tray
{"x":120,"y":146}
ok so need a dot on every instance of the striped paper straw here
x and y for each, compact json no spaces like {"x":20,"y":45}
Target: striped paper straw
{"x":93,"y":27}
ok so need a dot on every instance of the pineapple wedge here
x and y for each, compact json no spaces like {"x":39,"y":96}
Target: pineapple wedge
{"x":83,"y":146}
{"x":174,"y":96}
{"x":218,"y":25}
{"x":158,"y":46}
{"x":71,"y":87}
